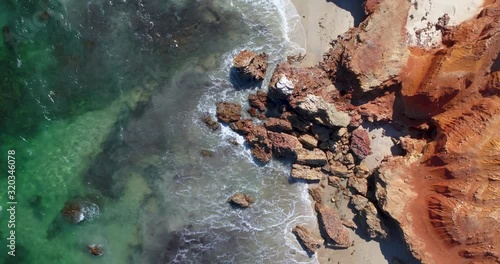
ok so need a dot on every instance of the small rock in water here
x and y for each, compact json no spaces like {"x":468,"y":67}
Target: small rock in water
{"x":242,"y":200}
{"x":95,"y":249}
{"x":210,"y":122}
{"x":73,"y":212}
{"x":207,"y":153}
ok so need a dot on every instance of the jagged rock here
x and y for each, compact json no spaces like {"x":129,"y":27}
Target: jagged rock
{"x":283,"y":88}
{"x":73,"y":212}
{"x":371,"y":218}
{"x":278,"y":125}
{"x":315,"y":108}
{"x":308,"y":141}
{"x":360,"y":143}
{"x":242,"y":126}
{"x":372,"y":56}
{"x":309,"y":242}
{"x":260,"y":144}
{"x":241,"y":200}
{"x":317,"y":193}
{"x":314,"y":157}
{"x":250,"y":64}
{"x":95,"y":249}
{"x":361,"y":171}
{"x":307,"y":173}
{"x":330,"y":222}
{"x":284,"y":144}
{"x":358,"y":185}
{"x":258,"y":100}
{"x":228,"y":112}
{"x":210,"y":122}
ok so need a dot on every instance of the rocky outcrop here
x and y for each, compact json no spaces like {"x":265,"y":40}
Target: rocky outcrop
{"x":370,"y":218}
{"x":371,"y":56}
{"x":228,"y":112}
{"x":331,"y":224}
{"x":442,"y":195}
{"x":251,"y":65}
{"x":278,"y":125}
{"x":360,"y":143}
{"x":308,"y":241}
{"x":242,"y":126}
{"x":241,"y":200}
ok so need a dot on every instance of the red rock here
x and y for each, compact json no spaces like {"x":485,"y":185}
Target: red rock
{"x":95,"y":250}
{"x":250,"y":64}
{"x":242,"y":126}
{"x":370,"y":6}
{"x":278,"y":125}
{"x":316,"y":193}
{"x":331,"y":223}
{"x":228,"y":112}
{"x":258,"y":100}
{"x":360,"y":143}
{"x":284,"y":144}
{"x":260,"y":144}
{"x":255,"y":113}
{"x":241,"y":200}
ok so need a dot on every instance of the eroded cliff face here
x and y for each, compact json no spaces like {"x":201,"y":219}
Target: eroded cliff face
{"x":447,"y":198}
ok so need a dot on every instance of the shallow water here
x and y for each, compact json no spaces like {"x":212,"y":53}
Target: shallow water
{"x":101,"y":100}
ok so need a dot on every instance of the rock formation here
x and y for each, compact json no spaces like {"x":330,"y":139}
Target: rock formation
{"x":228,"y":112}
{"x":251,"y":65}
{"x":309,"y":242}
{"x":330,"y":222}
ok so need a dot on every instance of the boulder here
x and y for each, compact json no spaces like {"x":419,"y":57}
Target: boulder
{"x":242,"y":126}
{"x":241,"y":200}
{"x":308,"y":141}
{"x":228,"y":112}
{"x":278,"y":125}
{"x":360,"y":143}
{"x":251,"y":65}
{"x":210,"y":122}
{"x":307,"y":173}
{"x":339,"y":170}
{"x":316,"y":108}
{"x":309,"y":242}
{"x":331,"y":224}
{"x":315,"y":157}
{"x":358,"y":185}
{"x":284,"y":145}
{"x":370,"y":217}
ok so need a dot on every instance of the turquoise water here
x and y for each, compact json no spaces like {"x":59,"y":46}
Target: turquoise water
{"x":101,"y":100}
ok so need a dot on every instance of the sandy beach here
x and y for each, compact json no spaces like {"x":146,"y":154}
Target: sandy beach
{"x":323,"y":21}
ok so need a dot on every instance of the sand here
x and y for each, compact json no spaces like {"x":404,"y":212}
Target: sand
{"x":423,"y":12}
{"x":323,"y":21}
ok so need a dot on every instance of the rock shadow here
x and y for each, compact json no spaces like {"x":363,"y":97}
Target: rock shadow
{"x":355,"y":7}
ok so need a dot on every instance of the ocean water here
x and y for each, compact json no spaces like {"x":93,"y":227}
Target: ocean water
{"x":101,"y":102}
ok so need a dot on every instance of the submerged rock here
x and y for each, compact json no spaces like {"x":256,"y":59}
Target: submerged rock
{"x":228,"y":112}
{"x":251,"y":65}
{"x":95,"y":249}
{"x":77,"y":211}
{"x":332,"y":225}
{"x":307,"y":240}
{"x":210,"y":122}
{"x":242,"y":200}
